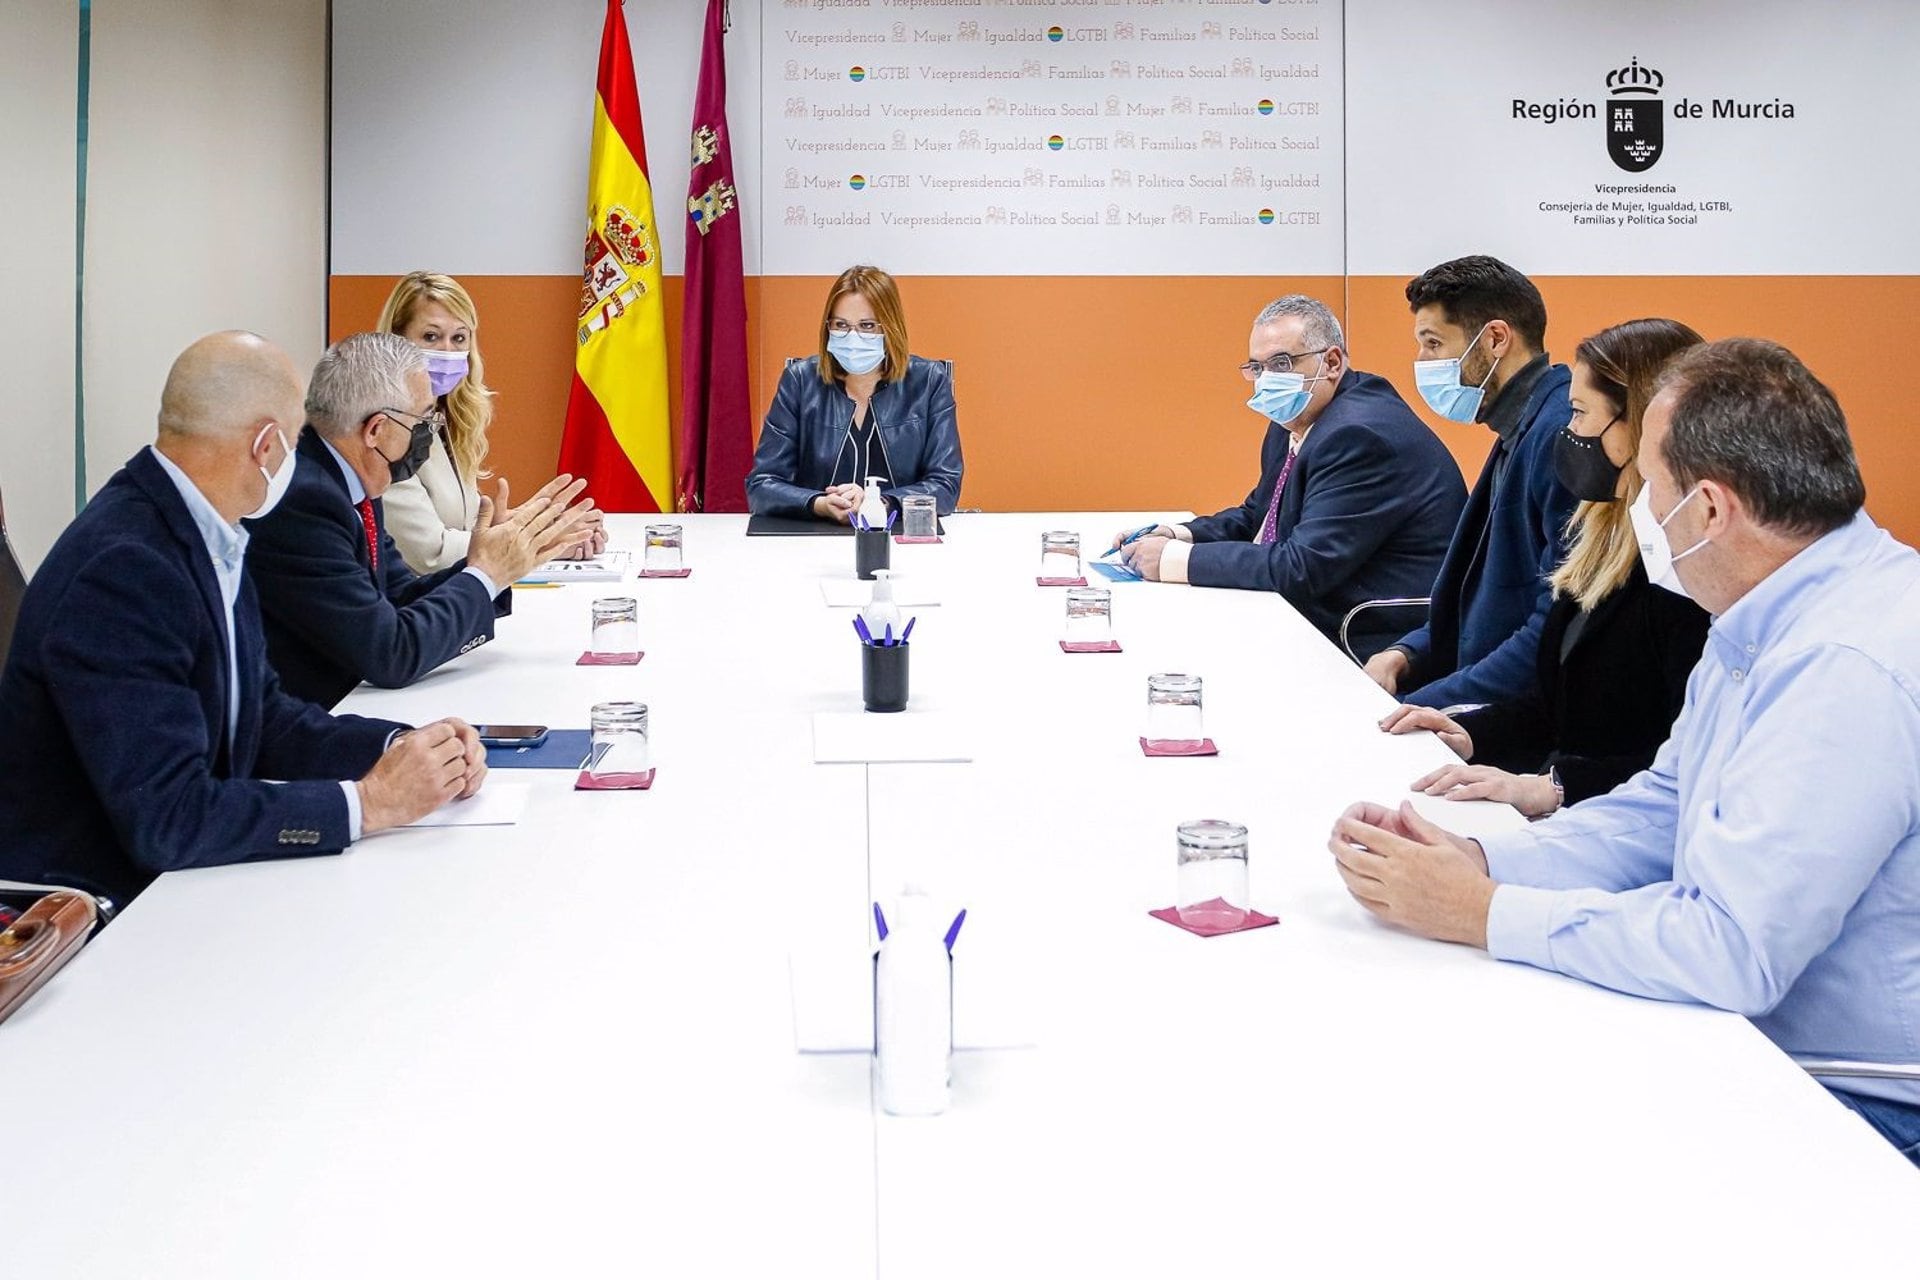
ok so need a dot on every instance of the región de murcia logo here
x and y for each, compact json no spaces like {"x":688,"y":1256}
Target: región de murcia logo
{"x":1635,"y":117}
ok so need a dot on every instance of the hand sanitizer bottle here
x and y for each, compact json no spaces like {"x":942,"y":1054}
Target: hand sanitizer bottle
{"x":873,"y":507}
{"x":881,"y":612}
{"x":913,"y":1011}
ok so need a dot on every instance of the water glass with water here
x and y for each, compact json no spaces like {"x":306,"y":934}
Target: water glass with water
{"x":919,"y":517}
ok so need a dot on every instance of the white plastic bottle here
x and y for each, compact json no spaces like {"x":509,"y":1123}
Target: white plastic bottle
{"x":913,"y":1011}
{"x":872,"y":506}
{"x":881,"y":612}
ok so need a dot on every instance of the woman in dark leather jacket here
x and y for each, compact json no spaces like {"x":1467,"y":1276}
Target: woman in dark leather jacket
{"x":1617,"y":649}
{"x":861,"y":407}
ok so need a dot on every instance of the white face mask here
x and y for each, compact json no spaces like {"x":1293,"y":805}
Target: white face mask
{"x":277,"y":481}
{"x":1655,"y":554}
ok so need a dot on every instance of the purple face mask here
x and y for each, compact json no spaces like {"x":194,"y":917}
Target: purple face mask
{"x":445,"y":369}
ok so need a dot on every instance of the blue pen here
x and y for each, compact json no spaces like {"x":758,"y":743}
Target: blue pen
{"x":909,"y":630}
{"x":953,"y":930}
{"x":888,"y":640}
{"x":880,"y":922}
{"x":860,"y":625}
{"x":1136,"y":535}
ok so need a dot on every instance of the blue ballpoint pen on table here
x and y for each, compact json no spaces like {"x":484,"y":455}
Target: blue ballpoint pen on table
{"x":880,"y":922}
{"x":953,"y":930}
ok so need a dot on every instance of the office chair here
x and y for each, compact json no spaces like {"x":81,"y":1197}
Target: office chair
{"x":1346,"y":623}
{"x":1851,"y":1069}
{"x":13,"y":585}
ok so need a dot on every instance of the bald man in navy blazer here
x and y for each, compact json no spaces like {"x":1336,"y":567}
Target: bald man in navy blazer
{"x":340,"y":603}
{"x":139,"y":721}
{"x":1357,"y":499}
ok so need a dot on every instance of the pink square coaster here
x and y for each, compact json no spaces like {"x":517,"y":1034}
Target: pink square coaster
{"x":592,"y":659}
{"x":1178,"y":747}
{"x":1252,"y":920}
{"x":905,"y":541}
{"x":614,"y":781}
{"x":1059,"y":582}
{"x":666,"y":573}
{"x":1089,"y":646}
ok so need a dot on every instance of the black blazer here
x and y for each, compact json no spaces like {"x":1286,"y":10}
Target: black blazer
{"x":332,"y":622}
{"x":1599,"y":713}
{"x":114,"y":760}
{"x":1367,"y":514}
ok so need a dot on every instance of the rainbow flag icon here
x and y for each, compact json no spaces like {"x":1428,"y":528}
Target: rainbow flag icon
{"x":856,"y":74}
{"x":859,"y":183}
{"x":1056,"y":35}
{"x":1265,"y":106}
{"x":1056,"y":142}
{"x":1266,"y":217}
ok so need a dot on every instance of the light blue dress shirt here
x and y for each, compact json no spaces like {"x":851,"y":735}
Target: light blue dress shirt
{"x":1768,"y":861}
{"x":357,"y":493}
{"x":227,"y":546}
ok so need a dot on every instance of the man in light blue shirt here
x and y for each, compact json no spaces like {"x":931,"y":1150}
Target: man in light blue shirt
{"x":1769,"y":860}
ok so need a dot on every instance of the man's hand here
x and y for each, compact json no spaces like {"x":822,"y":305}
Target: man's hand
{"x":1412,"y":874}
{"x":548,"y":524}
{"x":1143,"y":557}
{"x":1158,"y":531}
{"x":839,"y":503}
{"x":1531,"y":793}
{"x":421,"y":771}
{"x":1388,"y":668}
{"x":1406,"y":719}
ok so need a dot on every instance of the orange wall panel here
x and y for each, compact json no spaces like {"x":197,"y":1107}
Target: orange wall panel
{"x":1119,"y":392}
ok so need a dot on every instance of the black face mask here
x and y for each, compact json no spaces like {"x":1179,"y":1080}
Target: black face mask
{"x":1584,"y":468}
{"x":419,"y":447}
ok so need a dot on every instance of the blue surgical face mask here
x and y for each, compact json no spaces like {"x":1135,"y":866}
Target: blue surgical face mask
{"x":1282,"y":397}
{"x":858,"y":352}
{"x":445,"y":369}
{"x":1438,"y":382}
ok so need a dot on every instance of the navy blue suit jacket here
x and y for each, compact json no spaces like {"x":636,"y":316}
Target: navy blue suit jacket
{"x":331,"y":620}
{"x":1490,"y":601}
{"x":803,"y":443}
{"x":114,"y":760}
{"x":1366,"y":515}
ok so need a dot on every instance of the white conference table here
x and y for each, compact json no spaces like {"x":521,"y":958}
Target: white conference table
{"x":568,"y":1045}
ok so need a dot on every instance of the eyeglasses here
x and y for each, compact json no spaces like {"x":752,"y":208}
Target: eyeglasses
{"x":434,"y":419}
{"x":867,"y":327}
{"x":1278,"y":362}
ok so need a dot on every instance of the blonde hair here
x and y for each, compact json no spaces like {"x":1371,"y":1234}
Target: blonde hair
{"x":1622,"y":363}
{"x":877,"y":287}
{"x":470,"y":404}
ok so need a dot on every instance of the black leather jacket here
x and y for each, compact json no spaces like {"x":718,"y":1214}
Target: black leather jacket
{"x":805,"y":445}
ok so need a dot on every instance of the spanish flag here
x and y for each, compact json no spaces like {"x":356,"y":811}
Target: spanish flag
{"x":617,"y":434}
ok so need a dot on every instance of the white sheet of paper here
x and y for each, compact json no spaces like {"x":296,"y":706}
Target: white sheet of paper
{"x":993,"y":1004}
{"x":864,"y":737}
{"x":909,"y":592}
{"x":498,"y":804}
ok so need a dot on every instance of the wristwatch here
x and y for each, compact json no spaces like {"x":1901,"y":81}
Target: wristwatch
{"x":1559,"y":791}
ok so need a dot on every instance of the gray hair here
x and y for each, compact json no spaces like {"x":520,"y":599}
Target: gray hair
{"x":1321,"y":328}
{"x":359,"y":376}
{"x":1748,"y":414}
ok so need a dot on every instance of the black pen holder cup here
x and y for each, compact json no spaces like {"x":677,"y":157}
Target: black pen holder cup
{"x":883,"y":676}
{"x":872,"y":549}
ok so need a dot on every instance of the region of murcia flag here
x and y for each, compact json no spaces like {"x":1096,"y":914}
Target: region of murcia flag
{"x":618,"y":435}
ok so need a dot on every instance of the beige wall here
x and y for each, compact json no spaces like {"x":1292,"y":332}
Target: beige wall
{"x":39,"y":61}
{"x":206,"y":204}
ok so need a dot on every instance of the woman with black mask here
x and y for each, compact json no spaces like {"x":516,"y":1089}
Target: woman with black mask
{"x":1617,"y":649}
